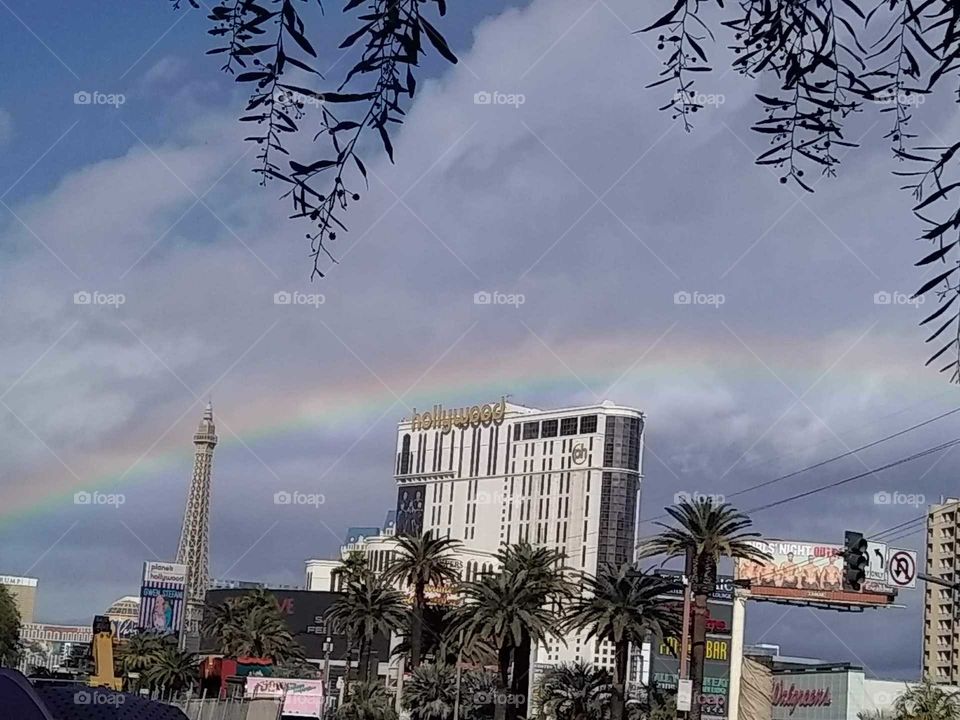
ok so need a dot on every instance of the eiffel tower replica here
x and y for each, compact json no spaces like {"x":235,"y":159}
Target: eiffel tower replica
{"x":193,"y":550}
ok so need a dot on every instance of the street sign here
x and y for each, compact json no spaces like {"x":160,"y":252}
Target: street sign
{"x":684,"y":695}
{"x":877,"y":568}
{"x":902,"y":568}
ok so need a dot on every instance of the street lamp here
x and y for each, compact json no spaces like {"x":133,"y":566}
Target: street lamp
{"x":327,"y":651}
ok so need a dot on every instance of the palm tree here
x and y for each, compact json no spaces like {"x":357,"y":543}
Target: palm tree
{"x":657,"y":704}
{"x":251,"y":625}
{"x":138,"y":653}
{"x":622,"y":606}
{"x":927,"y":701}
{"x":367,"y":701}
{"x":369,"y":607}
{"x":172,"y":669}
{"x":575,"y":691}
{"x":430,"y":693}
{"x":500,"y":609}
{"x":353,"y":567}
{"x":704,"y":533}
{"x":422,"y":561}
{"x":545,"y":574}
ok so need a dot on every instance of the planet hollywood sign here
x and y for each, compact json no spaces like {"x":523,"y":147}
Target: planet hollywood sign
{"x":445,"y":420}
{"x":793,"y":697}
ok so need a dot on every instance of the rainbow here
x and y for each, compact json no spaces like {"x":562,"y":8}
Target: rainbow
{"x":370,"y":405}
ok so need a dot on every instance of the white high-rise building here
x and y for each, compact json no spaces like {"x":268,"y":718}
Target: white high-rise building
{"x":496,"y":474}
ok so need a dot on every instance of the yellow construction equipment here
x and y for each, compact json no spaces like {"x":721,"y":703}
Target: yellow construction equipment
{"x":102,"y":645}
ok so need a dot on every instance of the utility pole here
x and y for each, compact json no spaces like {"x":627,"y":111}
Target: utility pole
{"x":684,"y":670}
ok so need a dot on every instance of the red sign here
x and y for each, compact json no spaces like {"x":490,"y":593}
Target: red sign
{"x":793,"y":697}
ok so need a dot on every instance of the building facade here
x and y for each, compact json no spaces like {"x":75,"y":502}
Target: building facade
{"x":498,"y":474}
{"x":941,"y":612}
{"x":832,"y":692}
{"x":24,"y":592}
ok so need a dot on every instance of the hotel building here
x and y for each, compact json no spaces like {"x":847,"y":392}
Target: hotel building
{"x":501,"y":473}
{"x":941,"y":612}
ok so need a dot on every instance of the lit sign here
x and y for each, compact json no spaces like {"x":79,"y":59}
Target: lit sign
{"x":445,"y":420}
{"x":793,"y":697}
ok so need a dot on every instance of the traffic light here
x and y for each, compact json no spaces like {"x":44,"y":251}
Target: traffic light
{"x":855,"y":560}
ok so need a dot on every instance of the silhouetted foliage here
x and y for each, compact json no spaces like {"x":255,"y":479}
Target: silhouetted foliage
{"x":829,"y":58}
{"x":266,"y":42}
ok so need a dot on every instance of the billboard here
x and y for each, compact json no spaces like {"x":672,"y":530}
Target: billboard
{"x":162,"y":597}
{"x":806,"y":572}
{"x":305,"y":615}
{"x":665,"y":656}
{"x":410,"y":503}
{"x":665,"y":669}
{"x":301,"y":698}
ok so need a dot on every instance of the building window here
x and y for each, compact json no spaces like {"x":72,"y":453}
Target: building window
{"x":549,"y":428}
{"x":588,"y":424}
{"x":568,"y":426}
{"x":531,"y":430}
{"x":516,"y":431}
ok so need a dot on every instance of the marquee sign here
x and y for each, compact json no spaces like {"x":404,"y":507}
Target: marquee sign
{"x":445,"y":420}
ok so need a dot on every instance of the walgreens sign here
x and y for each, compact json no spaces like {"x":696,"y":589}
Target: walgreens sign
{"x":793,"y":697}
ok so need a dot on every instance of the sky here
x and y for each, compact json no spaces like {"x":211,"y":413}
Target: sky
{"x":571,"y":194}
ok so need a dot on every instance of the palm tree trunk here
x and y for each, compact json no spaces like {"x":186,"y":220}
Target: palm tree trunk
{"x":618,"y":701}
{"x":698,"y":650}
{"x":500,"y":701}
{"x":416,"y":632}
{"x":363,"y":661}
{"x":521,"y":674}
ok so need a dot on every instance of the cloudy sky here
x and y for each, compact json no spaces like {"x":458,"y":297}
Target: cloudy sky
{"x":579,"y":196}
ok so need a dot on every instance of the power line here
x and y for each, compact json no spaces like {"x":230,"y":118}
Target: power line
{"x":821,"y":463}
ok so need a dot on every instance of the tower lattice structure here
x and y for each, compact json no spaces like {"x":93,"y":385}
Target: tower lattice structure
{"x":193,"y":549}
